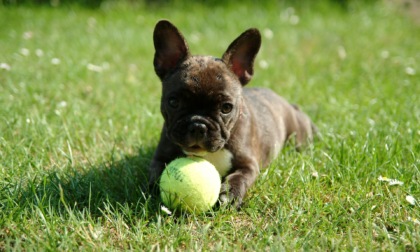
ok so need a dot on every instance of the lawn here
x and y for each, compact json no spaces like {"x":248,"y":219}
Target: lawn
{"x":80,"y":119}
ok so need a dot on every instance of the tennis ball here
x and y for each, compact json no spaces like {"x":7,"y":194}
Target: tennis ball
{"x":191,"y":184}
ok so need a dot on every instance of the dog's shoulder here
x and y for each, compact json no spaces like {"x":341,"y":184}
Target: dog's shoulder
{"x":258,"y":95}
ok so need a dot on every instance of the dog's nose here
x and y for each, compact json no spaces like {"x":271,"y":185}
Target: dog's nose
{"x":198,"y":130}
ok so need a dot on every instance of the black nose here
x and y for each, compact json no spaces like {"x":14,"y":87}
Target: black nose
{"x":197,"y":130}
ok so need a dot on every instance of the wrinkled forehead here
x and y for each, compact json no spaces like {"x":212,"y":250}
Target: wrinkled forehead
{"x":202,"y":64}
{"x":207,"y":72}
{"x":201,"y":76}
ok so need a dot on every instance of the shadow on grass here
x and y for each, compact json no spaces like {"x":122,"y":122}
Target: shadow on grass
{"x":115,"y":184}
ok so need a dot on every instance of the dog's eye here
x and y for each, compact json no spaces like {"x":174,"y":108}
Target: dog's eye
{"x":227,"y":108}
{"x":173,"y":102}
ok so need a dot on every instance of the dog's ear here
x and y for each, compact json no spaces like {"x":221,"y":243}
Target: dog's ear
{"x":241,"y":53}
{"x":171,"y":48}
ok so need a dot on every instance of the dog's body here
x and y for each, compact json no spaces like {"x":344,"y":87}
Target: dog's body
{"x":208,"y":113}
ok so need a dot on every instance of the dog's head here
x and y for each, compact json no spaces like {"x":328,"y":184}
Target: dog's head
{"x":201,"y":95}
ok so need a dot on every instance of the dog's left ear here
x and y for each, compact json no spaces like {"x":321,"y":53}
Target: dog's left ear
{"x":171,"y":48}
{"x":241,"y":53}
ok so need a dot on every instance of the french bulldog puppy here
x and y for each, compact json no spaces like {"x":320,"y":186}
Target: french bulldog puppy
{"x":208,"y":113}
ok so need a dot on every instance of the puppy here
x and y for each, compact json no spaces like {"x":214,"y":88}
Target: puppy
{"x":208,"y":113}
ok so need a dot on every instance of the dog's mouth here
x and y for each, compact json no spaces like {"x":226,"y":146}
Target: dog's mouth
{"x":195,"y":150}
{"x":199,"y":150}
{"x":196,"y":147}
{"x":197,"y":138}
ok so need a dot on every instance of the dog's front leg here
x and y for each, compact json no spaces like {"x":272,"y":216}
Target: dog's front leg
{"x":165,"y":153}
{"x":155,"y":170}
{"x":237,"y":183}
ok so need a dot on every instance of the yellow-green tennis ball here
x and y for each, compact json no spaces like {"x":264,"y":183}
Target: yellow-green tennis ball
{"x":191,"y":184}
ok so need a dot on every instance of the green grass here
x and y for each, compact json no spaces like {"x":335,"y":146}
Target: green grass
{"x":75,"y":143}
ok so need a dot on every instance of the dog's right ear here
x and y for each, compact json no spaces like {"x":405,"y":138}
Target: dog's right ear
{"x":240,"y":55}
{"x":171,"y":48}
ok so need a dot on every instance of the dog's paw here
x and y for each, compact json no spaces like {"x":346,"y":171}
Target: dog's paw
{"x":153,"y":189}
{"x":153,"y":186}
{"x":230,"y":197}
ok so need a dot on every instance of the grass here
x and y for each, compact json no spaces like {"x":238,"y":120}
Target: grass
{"x":79,"y":121}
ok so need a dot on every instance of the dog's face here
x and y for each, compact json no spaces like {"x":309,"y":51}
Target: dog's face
{"x":201,"y":95}
{"x":200,"y":104}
